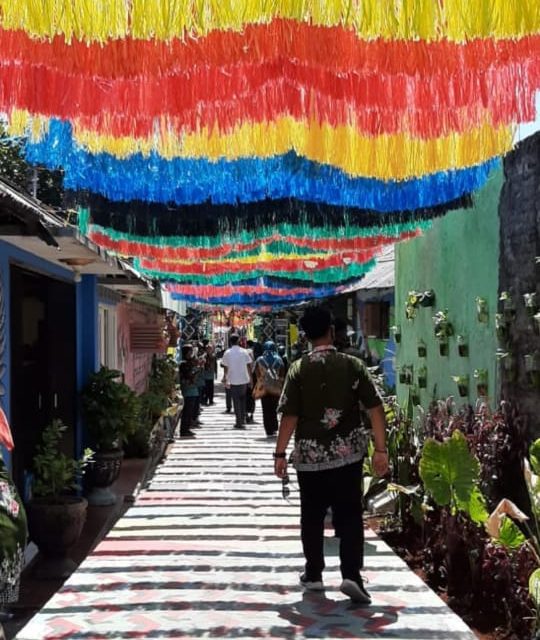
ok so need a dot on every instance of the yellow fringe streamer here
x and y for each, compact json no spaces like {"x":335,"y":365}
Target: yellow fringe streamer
{"x":100,"y":20}
{"x":387,"y":157}
{"x":398,"y":156}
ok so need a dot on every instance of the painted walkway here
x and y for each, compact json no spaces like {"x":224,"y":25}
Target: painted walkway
{"x":211,"y":550}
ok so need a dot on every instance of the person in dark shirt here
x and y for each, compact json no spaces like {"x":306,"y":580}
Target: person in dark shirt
{"x":321,"y":404}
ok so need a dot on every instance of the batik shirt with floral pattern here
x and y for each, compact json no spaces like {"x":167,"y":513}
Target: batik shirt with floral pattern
{"x":328,"y":392}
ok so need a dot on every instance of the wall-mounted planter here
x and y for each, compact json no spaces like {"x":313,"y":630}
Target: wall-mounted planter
{"x":427,"y":298}
{"x":532,"y":368}
{"x":444,"y":349}
{"x":406,"y":374}
{"x":421,"y":349}
{"x":501,"y":327}
{"x":417,"y":299}
{"x":531,"y":303}
{"x":536,"y":323}
{"x":462,"y":385}
{"x":481,"y":377}
{"x":463,"y":346}
{"x":396,"y":332}
{"x":422,"y":377}
{"x":507,"y":363}
{"x":415,"y":396}
{"x":508,"y":306}
{"x":482,"y":310}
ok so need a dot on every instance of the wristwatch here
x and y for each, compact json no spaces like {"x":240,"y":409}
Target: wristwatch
{"x":277,"y":455}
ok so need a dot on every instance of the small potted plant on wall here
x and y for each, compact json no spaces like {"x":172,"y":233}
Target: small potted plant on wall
{"x":536,"y":320}
{"x":396,"y":332}
{"x":507,"y":364}
{"x":482,"y":310}
{"x":111,"y":411}
{"x":421,"y":349}
{"x":462,"y":385}
{"x":501,"y":327}
{"x":531,"y":303}
{"x":532,"y":368}
{"x":443,"y":329}
{"x":55,"y":514}
{"x":508,"y":306}
{"x":422,"y":377}
{"x":481,"y":377}
{"x":463,"y":346}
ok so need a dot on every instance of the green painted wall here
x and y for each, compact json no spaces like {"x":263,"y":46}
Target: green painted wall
{"x":459,"y":259}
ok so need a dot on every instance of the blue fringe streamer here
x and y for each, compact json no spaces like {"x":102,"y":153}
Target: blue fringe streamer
{"x":185,"y":181}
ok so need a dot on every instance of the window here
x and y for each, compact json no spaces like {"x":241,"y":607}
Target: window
{"x":107,"y":337}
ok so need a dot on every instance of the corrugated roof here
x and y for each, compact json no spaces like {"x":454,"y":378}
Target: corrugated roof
{"x":382,"y":275}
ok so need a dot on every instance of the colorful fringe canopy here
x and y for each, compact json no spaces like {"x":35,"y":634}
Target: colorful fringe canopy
{"x":217,"y":143}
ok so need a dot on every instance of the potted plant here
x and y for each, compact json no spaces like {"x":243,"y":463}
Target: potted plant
{"x":422,"y":349}
{"x":422,"y":377}
{"x":411,"y":304}
{"x":443,"y":329}
{"x":507,"y":363}
{"x":427,"y":298}
{"x":508,"y":306}
{"x":482,"y":310}
{"x":462,"y":385}
{"x":531,"y":303}
{"x":55,"y":515}
{"x":501,"y":327}
{"x":463,"y":346}
{"x":481,"y":377}
{"x":415,"y":396}
{"x":111,"y":411}
{"x":406,"y":374}
{"x":536,"y":320}
{"x":532,"y":368}
{"x":396,"y":332}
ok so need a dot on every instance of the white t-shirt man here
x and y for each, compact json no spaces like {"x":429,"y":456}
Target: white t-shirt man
{"x":238,"y":363}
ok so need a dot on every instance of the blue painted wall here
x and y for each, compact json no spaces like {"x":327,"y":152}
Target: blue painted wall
{"x":9,"y":254}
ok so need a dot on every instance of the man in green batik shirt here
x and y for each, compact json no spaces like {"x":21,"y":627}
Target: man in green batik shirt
{"x":322,"y":402}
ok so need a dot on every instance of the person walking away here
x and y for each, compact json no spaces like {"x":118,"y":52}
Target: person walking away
{"x":270,"y":365}
{"x":228,"y":399}
{"x":250,"y":400}
{"x":210,"y":372}
{"x":321,"y":405}
{"x":13,"y":527}
{"x":237,"y":364}
{"x":190,"y":391}
{"x":282,"y":353}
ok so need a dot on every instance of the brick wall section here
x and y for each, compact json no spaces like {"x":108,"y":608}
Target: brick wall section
{"x":519,"y":212}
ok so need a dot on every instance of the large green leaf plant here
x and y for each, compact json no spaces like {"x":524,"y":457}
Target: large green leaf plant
{"x":501,"y":524}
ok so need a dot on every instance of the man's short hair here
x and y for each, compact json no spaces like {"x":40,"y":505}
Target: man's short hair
{"x":233,"y":338}
{"x":316,"y":322}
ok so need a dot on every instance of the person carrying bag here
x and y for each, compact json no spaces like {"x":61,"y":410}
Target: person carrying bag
{"x":270,"y":373}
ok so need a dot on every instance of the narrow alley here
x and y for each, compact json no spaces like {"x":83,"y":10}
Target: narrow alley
{"x":211,"y":549}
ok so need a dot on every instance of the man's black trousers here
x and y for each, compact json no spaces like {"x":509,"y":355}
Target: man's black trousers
{"x":341,"y":490}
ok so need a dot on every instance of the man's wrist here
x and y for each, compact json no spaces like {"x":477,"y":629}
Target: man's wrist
{"x":385,"y":451}
{"x":279,"y":454}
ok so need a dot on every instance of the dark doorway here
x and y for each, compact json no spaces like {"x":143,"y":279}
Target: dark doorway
{"x":43,"y":361}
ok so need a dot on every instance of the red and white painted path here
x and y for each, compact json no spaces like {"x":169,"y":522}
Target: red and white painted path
{"x":212,"y":550}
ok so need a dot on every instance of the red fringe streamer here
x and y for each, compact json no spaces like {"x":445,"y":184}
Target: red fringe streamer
{"x":506,"y":91}
{"x":138,"y":249}
{"x":279,"y":264}
{"x":332,"y":48}
{"x":209,"y":291}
